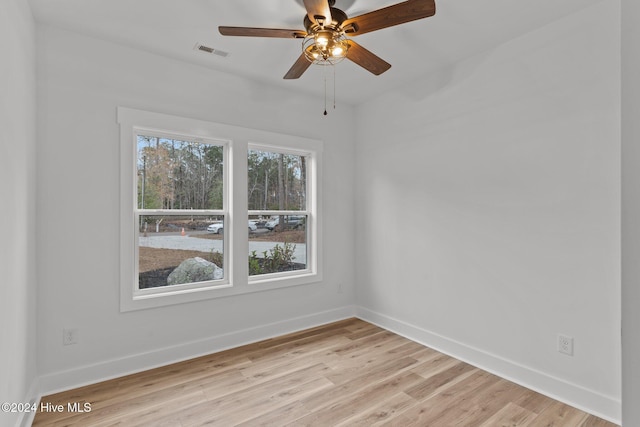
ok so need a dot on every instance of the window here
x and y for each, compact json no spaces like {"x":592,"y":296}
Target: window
{"x":180,"y":211}
{"x":277,"y":200}
{"x":211,"y":210}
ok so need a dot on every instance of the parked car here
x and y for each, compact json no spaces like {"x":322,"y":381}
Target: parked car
{"x":218,"y":227}
{"x":290,"y":221}
{"x":215,"y":228}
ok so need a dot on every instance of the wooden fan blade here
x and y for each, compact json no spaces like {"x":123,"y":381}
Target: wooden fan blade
{"x":262,"y":32}
{"x":298,"y":68}
{"x":318,"y":9}
{"x":400,"y":13}
{"x":366,"y":59}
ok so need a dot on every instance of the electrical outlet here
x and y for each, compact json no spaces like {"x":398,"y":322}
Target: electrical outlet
{"x":69,"y":336}
{"x":565,"y":344}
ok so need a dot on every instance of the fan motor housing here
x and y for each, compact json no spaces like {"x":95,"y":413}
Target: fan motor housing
{"x":337,"y":18}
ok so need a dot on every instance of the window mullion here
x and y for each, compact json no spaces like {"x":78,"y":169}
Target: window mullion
{"x":277,"y":212}
{"x":238,"y":213}
{"x":182,"y":212}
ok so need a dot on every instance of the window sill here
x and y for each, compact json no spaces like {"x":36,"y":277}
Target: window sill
{"x":182,"y":296}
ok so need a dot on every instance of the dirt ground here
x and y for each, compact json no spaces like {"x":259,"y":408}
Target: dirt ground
{"x":290,"y":236}
{"x":157,"y":259}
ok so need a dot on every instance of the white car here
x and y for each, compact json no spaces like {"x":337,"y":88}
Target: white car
{"x":218,"y":227}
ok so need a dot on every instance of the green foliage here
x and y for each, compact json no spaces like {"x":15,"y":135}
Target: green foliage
{"x":254,"y":264}
{"x":276,"y":180}
{"x":217,"y":258}
{"x":281,"y":256}
{"x":174,"y":174}
{"x":278,"y":258}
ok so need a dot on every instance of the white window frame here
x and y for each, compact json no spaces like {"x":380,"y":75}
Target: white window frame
{"x":309,"y":212}
{"x":224,"y":212}
{"x":236,"y":142}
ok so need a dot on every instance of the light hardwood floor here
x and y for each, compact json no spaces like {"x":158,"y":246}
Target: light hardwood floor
{"x":348,"y":373}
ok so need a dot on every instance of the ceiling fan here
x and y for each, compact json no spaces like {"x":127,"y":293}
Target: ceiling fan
{"x":325,"y":37}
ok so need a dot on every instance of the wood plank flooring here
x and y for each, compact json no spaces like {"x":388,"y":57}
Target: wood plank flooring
{"x":348,"y":373}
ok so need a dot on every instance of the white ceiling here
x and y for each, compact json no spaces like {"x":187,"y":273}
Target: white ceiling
{"x":172,"y":28}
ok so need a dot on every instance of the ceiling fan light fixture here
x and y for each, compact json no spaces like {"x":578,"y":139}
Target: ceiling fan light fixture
{"x":322,"y":41}
{"x":325,"y":47}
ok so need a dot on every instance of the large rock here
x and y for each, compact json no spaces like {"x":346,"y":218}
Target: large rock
{"x":194,"y":270}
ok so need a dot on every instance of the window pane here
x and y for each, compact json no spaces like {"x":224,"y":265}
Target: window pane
{"x":277,"y":181}
{"x":174,"y":174}
{"x":277,"y":244}
{"x":174,"y":250}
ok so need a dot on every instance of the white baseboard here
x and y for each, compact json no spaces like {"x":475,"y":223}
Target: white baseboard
{"x":577,"y":396}
{"x":114,"y":368}
{"x":32,"y":396}
{"x":584,"y":399}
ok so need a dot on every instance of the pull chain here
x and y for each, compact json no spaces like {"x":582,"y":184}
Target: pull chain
{"x":324,"y":74}
{"x":334,"y":87}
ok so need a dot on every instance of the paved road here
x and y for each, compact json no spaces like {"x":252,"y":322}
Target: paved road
{"x":176,"y":241}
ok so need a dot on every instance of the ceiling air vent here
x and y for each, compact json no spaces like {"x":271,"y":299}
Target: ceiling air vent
{"x":203,"y":48}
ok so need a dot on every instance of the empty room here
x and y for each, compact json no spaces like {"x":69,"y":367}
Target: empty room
{"x":318,"y":212}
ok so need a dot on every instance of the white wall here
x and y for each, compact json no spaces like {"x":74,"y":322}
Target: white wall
{"x":81,"y":81}
{"x":630,"y":213}
{"x":17,"y":214}
{"x":489,"y":209}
